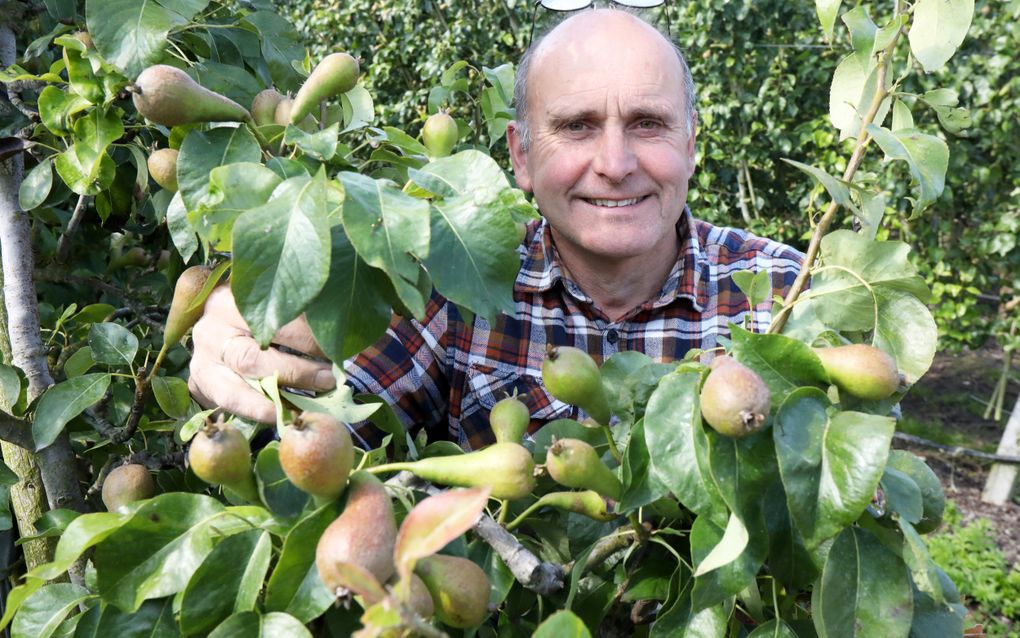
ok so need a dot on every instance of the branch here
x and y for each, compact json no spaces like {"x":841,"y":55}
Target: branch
{"x":16,"y":431}
{"x":64,"y":243}
{"x":956,"y":450}
{"x":540,"y":577}
{"x":14,"y":90}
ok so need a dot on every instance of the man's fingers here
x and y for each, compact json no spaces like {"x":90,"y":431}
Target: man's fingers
{"x":244,"y":356}
{"x":298,"y":335}
{"x":216,"y":386}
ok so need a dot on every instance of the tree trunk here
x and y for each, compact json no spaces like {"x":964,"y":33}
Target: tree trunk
{"x":1001,"y":479}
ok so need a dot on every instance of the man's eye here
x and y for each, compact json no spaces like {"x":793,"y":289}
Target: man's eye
{"x":575,"y":127}
{"x":649,"y":125}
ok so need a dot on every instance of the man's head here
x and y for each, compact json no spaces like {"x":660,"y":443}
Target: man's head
{"x":608,"y":147}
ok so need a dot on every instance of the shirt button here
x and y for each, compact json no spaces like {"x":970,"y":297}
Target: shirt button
{"x":612,"y":336}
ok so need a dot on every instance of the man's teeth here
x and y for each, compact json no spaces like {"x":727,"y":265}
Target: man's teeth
{"x":613,"y":203}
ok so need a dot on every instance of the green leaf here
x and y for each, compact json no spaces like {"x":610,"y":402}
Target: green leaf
{"x":677,"y":445}
{"x":281,"y":496}
{"x":320,"y":145}
{"x":43,"y":611}
{"x":359,"y":109}
{"x":230,"y":80}
{"x":86,"y":167}
{"x":172,"y":396}
{"x":251,"y":625}
{"x":64,"y":401}
{"x":233,"y":189}
{"x":774,"y":628}
{"x":926,"y":155}
{"x":281,"y":43}
{"x":282,"y":254}
{"x":727,"y":559}
{"x":907,"y":331}
{"x":836,"y":188}
{"x":131,"y":35}
{"x":181,"y":233}
{"x":338,"y":402}
{"x":227,"y":582}
{"x":938,"y":29}
{"x":155,"y":553}
{"x":36,"y":186}
{"x":10,"y":388}
{"x":56,"y":108}
{"x":902,"y":118}
{"x":640,"y":486}
{"x":473,"y":259}
{"x":81,"y":534}
{"x":390,"y":231}
{"x":112,"y":344}
{"x":827,"y":11}
{"x":154,"y":619}
{"x":295,"y":586}
{"x":864,"y":590}
{"x":351,"y":312}
{"x":202,"y":151}
{"x":562,"y":624}
{"x":757,"y":287}
{"x":81,"y":78}
{"x":902,"y":495}
{"x":783,"y":363}
{"x":830,"y":463}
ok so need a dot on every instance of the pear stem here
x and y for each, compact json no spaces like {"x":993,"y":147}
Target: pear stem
{"x":390,"y":467}
{"x":524,"y":515}
{"x":615,"y":451}
{"x":156,"y":364}
{"x":639,"y":529}
{"x":504,"y":507}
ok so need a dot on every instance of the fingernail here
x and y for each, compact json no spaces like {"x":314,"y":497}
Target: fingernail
{"x":325,"y":380}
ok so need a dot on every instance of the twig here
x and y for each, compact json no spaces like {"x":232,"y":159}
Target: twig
{"x":956,"y":450}
{"x":14,"y":90}
{"x":64,"y":243}
{"x":16,"y":431}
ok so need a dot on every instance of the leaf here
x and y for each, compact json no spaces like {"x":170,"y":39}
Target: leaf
{"x":202,"y":151}
{"x":473,"y":258}
{"x":183,"y":236}
{"x":757,"y":287}
{"x":228,"y":581}
{"x":193,"y":424}
{"x":827,"y":11}
{"x":907,"y":331}
{"x":294,"y":585}
{"x":864,"y":590}
{"x":112,"y":344}
{"x":251,"y":625}
{"x":562,"y":624}
{"x":82,"y":533}
{"x":86,"y":167}
{"x":902,"y":495}
{"x":282,"y":255}
{"x":36,"y":186}
{"x":319,"y":145}
{"x":782,"y":362}
{"x":56,"y":108}
{"x":434,"y":522}
{"x":926,"y":155}
{"x":938,"y":29}
{"x":390,"y":231}
{"x":774,"y":628}
{"x":63,"y":402}
{"x":280,"y":44}
{"x":281,"y":496}
{"x":830,"y":463}
{"x":155,"y":552}
{"x":359,"y":109}
{"x":233,"y":189}
{"x":131,"y":35}
{"x":154,"y":619}
{"x":338,"y":402}
{"x":728,"y":549}
{"x":172,"y":396}
{"x":640,"y":486}
{"x":10,"y":388}
{"x":837,"y":188}
{"x":41,"y":613}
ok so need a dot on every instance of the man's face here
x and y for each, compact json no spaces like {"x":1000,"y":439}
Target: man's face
{"x":610,"y":156}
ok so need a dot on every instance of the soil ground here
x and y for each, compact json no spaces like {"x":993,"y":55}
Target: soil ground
{"x":947,"y":406}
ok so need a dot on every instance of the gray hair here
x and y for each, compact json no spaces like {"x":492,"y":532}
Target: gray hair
{"x":524,"y":68}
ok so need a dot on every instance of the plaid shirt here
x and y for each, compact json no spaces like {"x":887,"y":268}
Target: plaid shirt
{"x":445,"y":374}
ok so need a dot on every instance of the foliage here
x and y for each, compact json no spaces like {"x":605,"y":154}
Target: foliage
{"x":347,"y":221}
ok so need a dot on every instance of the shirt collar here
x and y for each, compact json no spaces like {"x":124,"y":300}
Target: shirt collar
{"x":540,"y":268}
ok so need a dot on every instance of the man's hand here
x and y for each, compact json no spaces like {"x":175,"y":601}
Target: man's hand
{"x":225,"y":351}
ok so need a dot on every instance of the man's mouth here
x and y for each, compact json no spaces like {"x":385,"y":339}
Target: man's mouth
{"x":615,"y":203}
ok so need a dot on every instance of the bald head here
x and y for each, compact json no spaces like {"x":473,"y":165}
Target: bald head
{"x":591,"y":35}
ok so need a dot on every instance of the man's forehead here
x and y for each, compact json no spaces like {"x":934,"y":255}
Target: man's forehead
{"x":625,"y":101}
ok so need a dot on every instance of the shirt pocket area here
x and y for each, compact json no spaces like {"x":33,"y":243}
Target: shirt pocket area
{"x":487,"y":385}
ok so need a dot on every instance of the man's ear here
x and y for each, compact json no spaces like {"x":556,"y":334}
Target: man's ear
{"x":518,"y":158}
{"x":692,"y":139}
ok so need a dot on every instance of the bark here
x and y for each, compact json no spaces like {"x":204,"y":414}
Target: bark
{"x":1002,"y":478}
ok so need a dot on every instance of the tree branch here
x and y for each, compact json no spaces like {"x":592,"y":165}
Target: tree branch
{"x":16,"y":431}
{"x":64,"y":243}
{"x":956,"y":450}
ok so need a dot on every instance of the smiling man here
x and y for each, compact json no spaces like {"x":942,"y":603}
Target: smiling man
{"x":605,"y":140}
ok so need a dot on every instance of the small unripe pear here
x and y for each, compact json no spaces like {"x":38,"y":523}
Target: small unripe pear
{"x":509,"y":420}
{"x":282,"y":116}
{"x":421,"y":599}
{"x":263,"y":107}
{"x":572,"y":376}
{"x":364,"y":534}
{"x":506,"y":468}
{"x":575,"y":463}
{"x":440,"y":134}
{"x":861,"y":370}
{"x":460,"y":589}
{"x":336,"y":74}
{"x":133,"y":257}
{"x":220,"y":455}
{"x":126,"y":484}
{"x":167,"y":95}
{"x":734,"y":400}
{"x":182,"y":316}
{"x":317,"y":454}
{"x":587,"y":503}
{"x":163,"y":168}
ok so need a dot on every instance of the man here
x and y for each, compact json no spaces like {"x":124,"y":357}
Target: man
{"x":605,"y":140}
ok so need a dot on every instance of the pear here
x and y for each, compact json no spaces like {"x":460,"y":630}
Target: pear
{"x":509,"y":420}
{"x":125,"y":484}
{"x":460,"y":589}
{"x":575,"y":463}
{"x":220,"y":455}
{"x":263,"y":107}
{"x":440,"y":134}
{"x":282,"y":116}
{"x":167,"y":95}
{"x":734,"y":400}
{"x":364,"y":534}
{"x":572,"y":376}
{"x":587,"y":503}
{"x":507,"y":468}
{"x":317,"y":454}
{"x":421,"y":599}
{"x":336,"y":74}
{"x":133,"y":257}
{"x":182,"y":316}
{"x":163,"y":168}
{"x":861,"y":370}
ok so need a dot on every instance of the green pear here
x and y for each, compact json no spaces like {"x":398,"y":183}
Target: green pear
{"x":336,"y":74}
{"x":861,"y":370}
{"x":440,"y":134}
{"x":586,"y":503}
{"x":317,"y":454}
{"x":572,"y":376}
{"x":163,"y":168}
{"x":509,"y":420}
{"x":125,"y":484}
{"x":182,"y":316}
{"x":575,"y":463}
{"x":734,"y":400}
{"x":167,"y":95}
{"x":219,"y":454}
{"x":506,"y":467}
{"x":460,"y":589}
{"x":421,"y":599}
{"x":364,"y":534}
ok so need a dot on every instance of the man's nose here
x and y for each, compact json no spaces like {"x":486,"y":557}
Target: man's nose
{"x":614,"y":158}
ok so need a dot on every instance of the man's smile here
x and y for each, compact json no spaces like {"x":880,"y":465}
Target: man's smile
{"x":614,"y":203}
